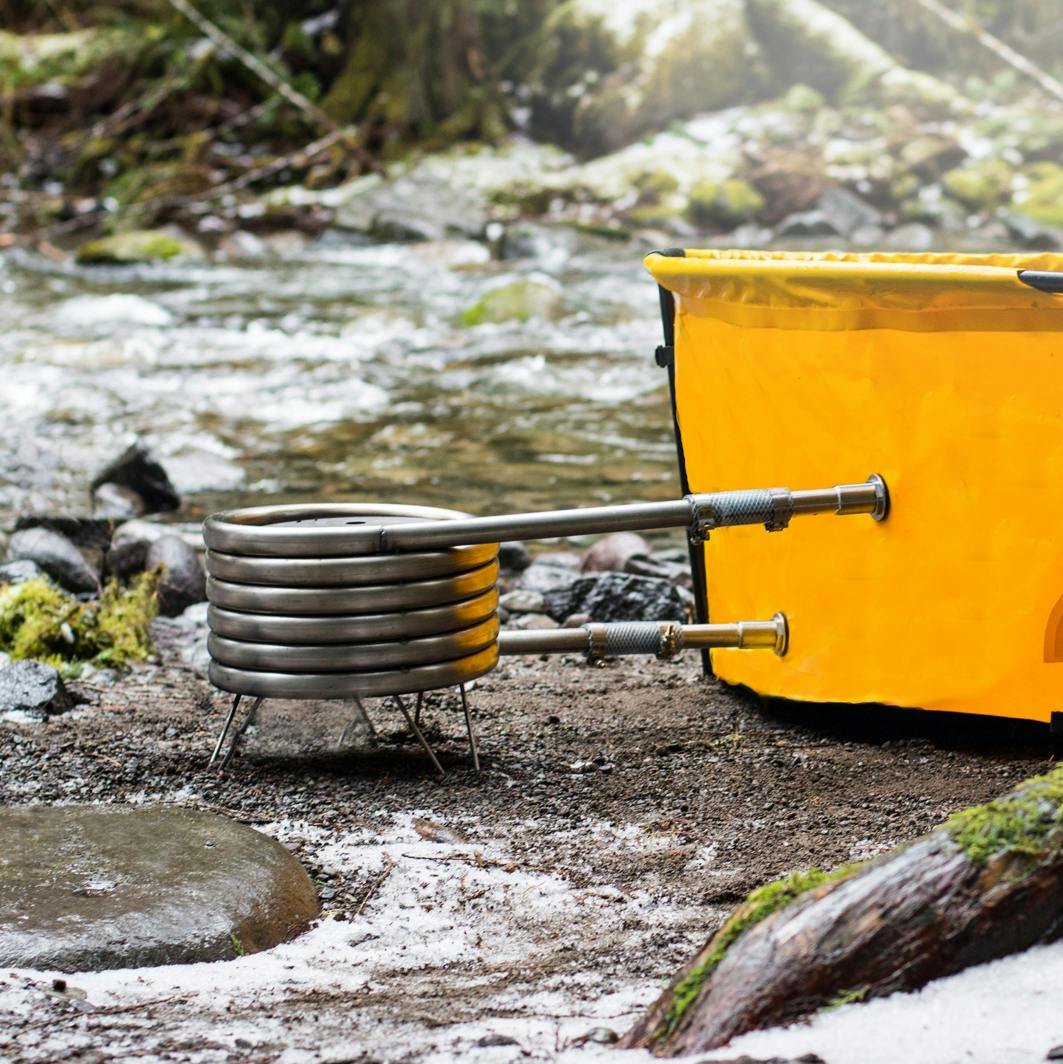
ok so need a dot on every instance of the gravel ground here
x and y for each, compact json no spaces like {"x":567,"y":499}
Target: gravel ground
{"x":621,"y":811}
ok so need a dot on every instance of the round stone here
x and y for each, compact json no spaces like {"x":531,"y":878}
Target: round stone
{"x":86,"y":888}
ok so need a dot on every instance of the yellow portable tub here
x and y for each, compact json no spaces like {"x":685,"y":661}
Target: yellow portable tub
{"x":944,"y":374}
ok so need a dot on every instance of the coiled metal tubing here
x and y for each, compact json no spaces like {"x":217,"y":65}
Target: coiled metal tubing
{"x":368,"y":600}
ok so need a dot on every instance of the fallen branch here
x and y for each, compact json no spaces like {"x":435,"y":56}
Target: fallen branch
{"x":1016,"y":60}
{"x":987,"y":883}
{"x":375,"y":886}
{"x":254,"y":64}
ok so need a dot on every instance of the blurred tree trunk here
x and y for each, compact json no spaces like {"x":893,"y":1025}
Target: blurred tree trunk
{"x":416,"y":70}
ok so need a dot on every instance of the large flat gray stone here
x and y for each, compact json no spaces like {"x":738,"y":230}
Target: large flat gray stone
{"x":85,"y":888}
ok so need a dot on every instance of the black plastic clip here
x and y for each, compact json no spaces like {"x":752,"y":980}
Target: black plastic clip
{"x":665,"y":356}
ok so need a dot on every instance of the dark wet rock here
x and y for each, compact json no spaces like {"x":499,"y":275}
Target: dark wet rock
{"x":603,"y":1036}
{"x":675,"y":572}
{"x":611,"y":553}
{"x":513,"y":557}
{"x":136,"y":468}
{"x":1031,"y":234}
{"x":846,"y":212}
{"x":86,"y":888}
{"x":36,"y":689}
{"x":617,"y":597}
{"x":491,"y":1041}
{"x":19,"y":572}
{"x":92,"y":533}
{"x":542,"y":577}
{"x":57,"y":556}
{"x":807,"y":223}
{"x":126,"y":558}
{"x":1055,"y":1053}
{"x":117,"y":501}
{"x":523,"y":600}
{"x":183,"y":581}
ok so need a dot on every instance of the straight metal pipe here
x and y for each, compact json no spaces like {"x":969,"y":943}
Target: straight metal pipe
{"x":548,"y":524}
{"x":665,"y":639}
{"x":699,"y":513}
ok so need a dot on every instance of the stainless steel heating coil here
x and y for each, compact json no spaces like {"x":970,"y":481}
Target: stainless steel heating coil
{"x":349,"y":530}
{"x":354,"y":657}
{"x":366,"y":600}
{"x":312,"y":530}
{"x":366,"y":628}
{"x":377,"y":684}
{"x":373,"y":598}
{"x":329,"y":571}
{"x":313,"y":619}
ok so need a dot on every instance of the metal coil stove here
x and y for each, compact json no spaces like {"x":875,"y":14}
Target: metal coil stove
{"x":346,"y":601}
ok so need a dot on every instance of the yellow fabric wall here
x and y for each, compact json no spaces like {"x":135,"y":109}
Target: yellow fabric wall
{"x":945,"y":375}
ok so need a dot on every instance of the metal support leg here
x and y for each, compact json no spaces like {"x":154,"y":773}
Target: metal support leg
{"x":365,"y":717}
{"x":420,"y":735}
{"x":468,"y":727}
{"x":224,"y":731}
{"x":248,"y":720}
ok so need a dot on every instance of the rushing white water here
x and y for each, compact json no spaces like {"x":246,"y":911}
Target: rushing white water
{"x":337,"y":371}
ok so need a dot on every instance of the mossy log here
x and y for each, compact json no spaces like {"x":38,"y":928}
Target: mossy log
{"x":987,"y":883}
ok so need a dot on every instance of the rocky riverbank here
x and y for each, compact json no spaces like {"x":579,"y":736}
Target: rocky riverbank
{"x":534,"y":909}
{"x":736,"y":121}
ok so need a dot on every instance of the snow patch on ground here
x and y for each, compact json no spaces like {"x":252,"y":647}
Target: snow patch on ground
{"x":1007,"y":1012}
{"x":455,"y":951}
{"x":439,"y":916}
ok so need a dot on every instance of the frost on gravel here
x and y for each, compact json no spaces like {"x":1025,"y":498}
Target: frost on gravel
{"x":453,"y":945}
{"x":456,"y":949}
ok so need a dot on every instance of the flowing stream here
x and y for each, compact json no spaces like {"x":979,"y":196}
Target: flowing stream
{"x":337,"y":371}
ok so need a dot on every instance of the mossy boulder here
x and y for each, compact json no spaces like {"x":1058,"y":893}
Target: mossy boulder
{"x":39,"y":621}
{"x":1042,"y":198}
{"x":724,"y":203}
{"x":609,"y":74}
{"x":39,"y":58}
{"x":516,"y":301}
{"x":808,"y":43}
{"x":983,"y":185}
{"x":802,"y":98}
{"x":137,"y":246}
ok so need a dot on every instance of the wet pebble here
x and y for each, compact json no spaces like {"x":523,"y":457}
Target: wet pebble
{"x":33,"y":688}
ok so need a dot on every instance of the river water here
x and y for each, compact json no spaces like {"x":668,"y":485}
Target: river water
{"x":339,"y":371}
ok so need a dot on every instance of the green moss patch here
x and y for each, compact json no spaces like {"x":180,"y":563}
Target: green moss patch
{"x":845,"y":997}
{"x":1043,"y":199}
{"x":137,"y":245}
{"x":39,"y":621}
{"x":724,"y":203}
{"x":517,"y":301}
{"x":981,"y":185}
{"x":760,"y":904}
{"x":1020,"y":823}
